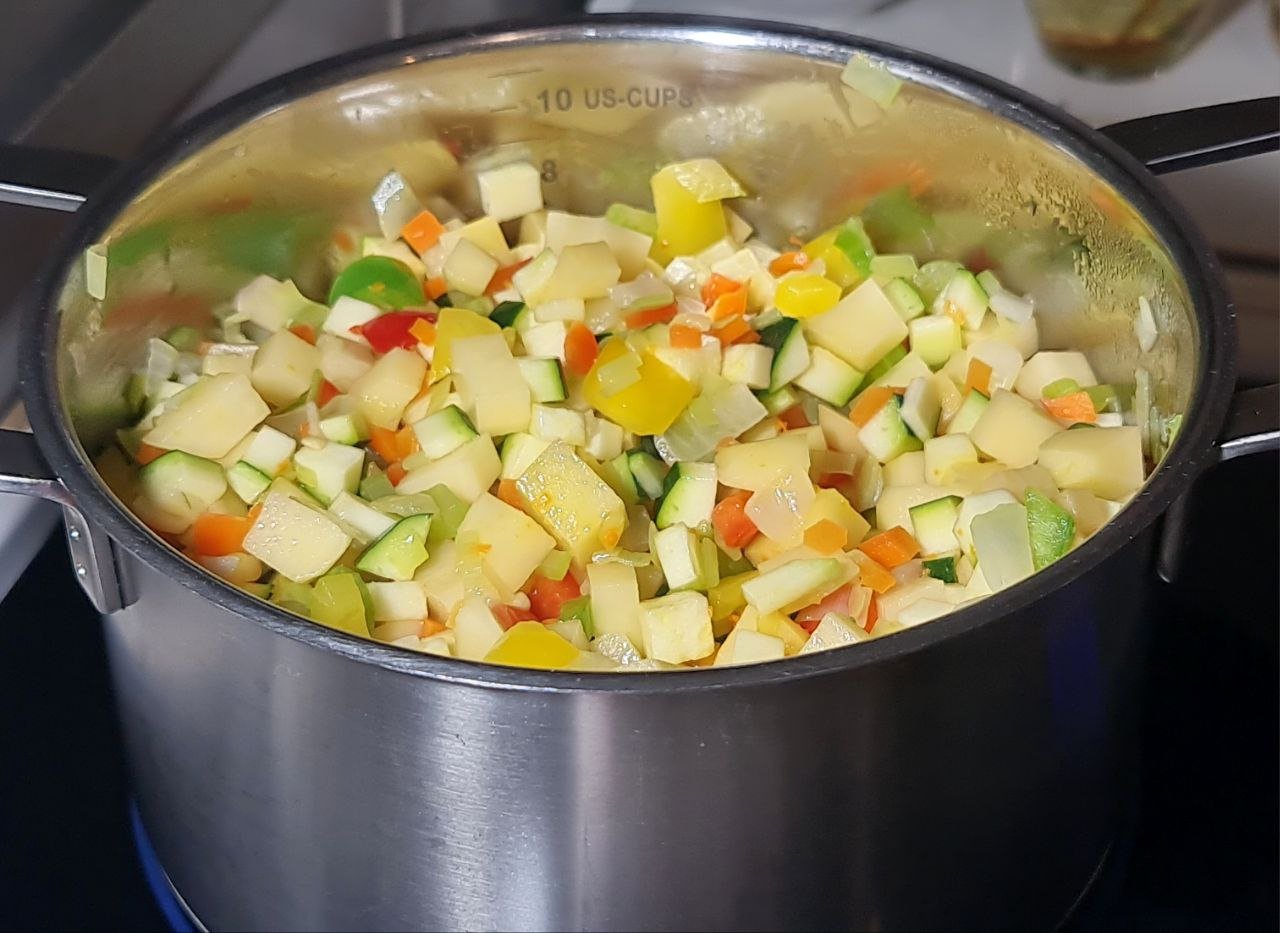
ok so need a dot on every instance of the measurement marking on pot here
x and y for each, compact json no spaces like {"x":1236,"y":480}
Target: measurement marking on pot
{"x":604,"y":97}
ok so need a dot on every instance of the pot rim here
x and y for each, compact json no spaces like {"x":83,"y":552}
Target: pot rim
{"x":1192,"y":452}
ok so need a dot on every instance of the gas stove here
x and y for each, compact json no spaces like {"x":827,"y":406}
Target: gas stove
{"x":1202,"y":851}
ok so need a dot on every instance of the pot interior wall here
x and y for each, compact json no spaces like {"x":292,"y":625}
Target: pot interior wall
{"x":597,"y":116}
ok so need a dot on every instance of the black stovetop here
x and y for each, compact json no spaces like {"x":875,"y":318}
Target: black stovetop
{"x":1203,"y":855}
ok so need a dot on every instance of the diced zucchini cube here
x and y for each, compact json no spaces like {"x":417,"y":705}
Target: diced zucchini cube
{"x":328,"y":470}
{"x":444,"y":432}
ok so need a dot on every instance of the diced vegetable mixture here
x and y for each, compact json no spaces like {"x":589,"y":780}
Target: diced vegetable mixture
{"x":647,"y":440}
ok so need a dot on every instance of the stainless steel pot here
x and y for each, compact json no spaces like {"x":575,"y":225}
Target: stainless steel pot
{"x":970,"y":772}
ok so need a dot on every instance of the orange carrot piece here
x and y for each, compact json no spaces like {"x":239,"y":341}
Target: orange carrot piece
{"x":406,"y":443}
{"x":651,"y":316}
{"x":826,"y":537}
{"x":719,"y":285}
{"x":868,"y":403}
{"x":728,"y":305}
{"x":217,"y":535}
{"x":684,"y":337}
{"x":395,"y":473}
{"x":434,"y":288}
{"x":430,"y":627}
{"x":731,"y":521}
{"x":305,"y":332}
{"x":423,"y":232}
{"x":383,"y":442}
{"x":891,"y":548}
{"x":978,"y":376}
{"x":789,"y":262}
{"x":424,"y":332}
{"x":1074,"y":407}
{"x":580,"y":349}
{"x":502,"y":278}
{"x":794,"y":417}
{"x":146,"y":453}
{"x":873,"y":613}
{"x":509,"y":493}
{"x":733,"y":331}
{"x":872,"y":574}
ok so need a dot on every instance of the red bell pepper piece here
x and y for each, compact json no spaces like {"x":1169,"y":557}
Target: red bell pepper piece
{"x":391,"y":330}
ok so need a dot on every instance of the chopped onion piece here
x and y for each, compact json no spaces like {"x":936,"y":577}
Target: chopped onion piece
{"x":872,"y":79}
{"x":712,"y":417}
{"x":622,"y":556}
{"x":1144,"y":325}
{"x":1011,"y":307}
{"x":95,"y":271}
{"x":778,"y":510}
{"x":645,"y":291}
{"x":162,"y":360}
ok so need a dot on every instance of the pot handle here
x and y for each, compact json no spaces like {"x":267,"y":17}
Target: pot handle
{"x":23,"y":470}
{"x":1252,"y":427}
{"x":1171,"y":142}
{"x":53,"y":179}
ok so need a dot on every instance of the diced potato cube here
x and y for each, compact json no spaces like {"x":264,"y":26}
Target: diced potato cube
{"x":759,"y":464}
{"x":677,"y":628}
{"x":398,"y":601}
{"x":468,"y":471}
{"x":510,"y":191}
{"x":475,"y":629}
{"x":513,"y":543}
{"x":745,"y":646}
{"x":283,"y":368}
{"x":490,"y":384}
{"x":384,"y":391}
{"x":210,"y":417}
{"x":584,"y":270}
{"x":342,"y":362}
{"x":943,"y":454}
{"x":1105,"y":461}
{"x":1049,"y":366}
{"x":615,"y":601}
{"x":469,"y":268}
{"x":295,"y":540}
{"x":860,"y":329}
{"x":1011,"y":430}
{"x":572,"y":503}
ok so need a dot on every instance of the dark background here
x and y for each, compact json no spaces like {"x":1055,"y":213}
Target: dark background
{"x":1203,"y":855}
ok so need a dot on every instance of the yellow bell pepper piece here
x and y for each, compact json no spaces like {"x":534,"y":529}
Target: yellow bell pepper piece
{"x":454,"y":324}
{"x":840,"y":268}
{"x":685,"y":226}
{"x":647,"y":406}
{"x":806,"y":295}
{"x":532,"y":644}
